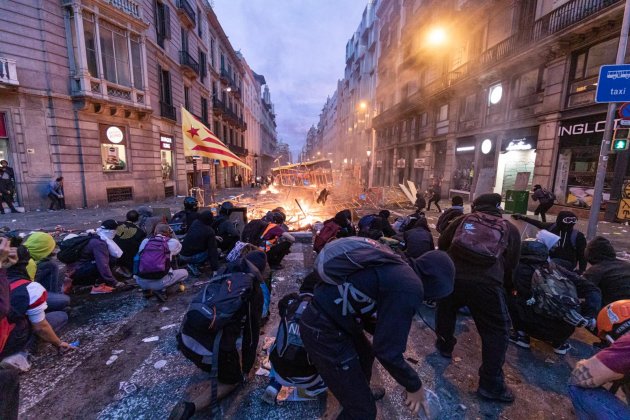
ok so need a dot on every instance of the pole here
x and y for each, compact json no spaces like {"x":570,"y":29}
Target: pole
{"x":373,"y":156}
{"x":593,"y":218}
{"x":194,"y":180}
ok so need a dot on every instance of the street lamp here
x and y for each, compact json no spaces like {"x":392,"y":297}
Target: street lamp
{"x":436,"y":36}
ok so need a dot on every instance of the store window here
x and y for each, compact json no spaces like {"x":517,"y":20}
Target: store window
{"x":4,"y":138}
{"x":113,"y":147}
{"x":465,"y":164}
{"x":166,"y":157}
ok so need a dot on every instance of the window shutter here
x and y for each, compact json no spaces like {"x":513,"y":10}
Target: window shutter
{"x":161,"y":81}
{"x":156,"y":15}
{"x":167,"y":22}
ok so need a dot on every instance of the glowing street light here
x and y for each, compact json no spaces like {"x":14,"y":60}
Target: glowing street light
{"x":363,"y":105}
{"x":436,"y":36}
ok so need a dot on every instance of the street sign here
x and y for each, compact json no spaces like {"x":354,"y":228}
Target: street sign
{"x":613,"y":84}
{"x":624,"y":113}
{"x":623,"y":212}
{"x":624,"y":122}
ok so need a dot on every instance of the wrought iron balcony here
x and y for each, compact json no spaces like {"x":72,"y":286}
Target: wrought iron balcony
{"x":218,"y":107}
{"x":225,"y":76}
{"x":130,"y":7}
{"x":168,"y":111}
{"x":186,"y":10}
{"x":8,"y":71}
{"x":238,"y":150}
{"x":188,"y":62}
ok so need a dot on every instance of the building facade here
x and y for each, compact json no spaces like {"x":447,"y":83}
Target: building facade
{"x":504,"y":101}
{"x":93,"y":93}
{"x":481,"y":95}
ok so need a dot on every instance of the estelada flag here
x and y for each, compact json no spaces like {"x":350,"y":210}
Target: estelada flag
{"x":200,"y":141}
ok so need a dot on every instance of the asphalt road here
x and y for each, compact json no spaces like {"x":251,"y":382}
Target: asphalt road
{"x":88,"y":383}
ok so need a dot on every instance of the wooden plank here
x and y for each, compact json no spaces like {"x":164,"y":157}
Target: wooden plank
{"x":407,"y":193}
{"x":412,"y":187}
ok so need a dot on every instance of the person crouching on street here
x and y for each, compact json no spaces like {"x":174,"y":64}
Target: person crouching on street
{"x":276,"y":242}
{"x":332,"y":326}
{"x":155,"y":273}
{"x":200,"y":245}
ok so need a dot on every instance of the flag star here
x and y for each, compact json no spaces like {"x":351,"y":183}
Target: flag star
{"x":193,"y":131}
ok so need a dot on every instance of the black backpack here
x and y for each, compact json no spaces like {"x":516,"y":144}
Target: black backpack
{"x":288,"y":355}
{"x":70,"y":249}
{"x":215,"y":307}
{"x":253,"y":231}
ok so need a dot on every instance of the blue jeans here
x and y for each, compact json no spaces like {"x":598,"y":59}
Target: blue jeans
{"x":597,"y":404}
{"x":57,"y":302}
{"x":195,"y":259}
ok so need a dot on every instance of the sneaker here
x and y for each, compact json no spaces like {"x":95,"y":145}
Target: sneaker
{"x":316,"y":389}
{"x":270,"y":395}
{"x":505,"y":396}
{"x":160,"y":295}
{"x":183,"y":410}
{"x":378,"y":392}
{"x":562,"y":349}
{"x":520,"y":339}
{"x":17,"y":361}
{"x":443,"y":352}
{"x":430,"y":303}
{"x":101,"y":289}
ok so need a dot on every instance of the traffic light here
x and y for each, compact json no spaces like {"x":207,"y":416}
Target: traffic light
{"x":620,"y":140}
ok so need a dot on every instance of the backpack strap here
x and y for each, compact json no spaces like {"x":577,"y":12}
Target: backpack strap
{"x":214,"y":374}
{"x":17,"y":284}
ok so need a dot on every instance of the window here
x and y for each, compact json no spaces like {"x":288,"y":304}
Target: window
{"x":584,"y":71}
{"x":136,"y":62}
{"x":166,"y":157}
{"x":222,"y":62}
{"x":187,"y":97}
{"x":424,"y":119}
{"x":202,"y":65}
{"x":165,"y":86}
{"x":90,"y":43}
{"x":443,"y":114}
{"x":204,"y":110}
{"x":184,"y":39}
{"x":530,"y":83}
{"x":113,"y":147}
{"x":115,"y":54}
{"x":212,"y":53}
{"x":162,"y":23}
{"x":199,"y":23}
{"x":469,"y":108}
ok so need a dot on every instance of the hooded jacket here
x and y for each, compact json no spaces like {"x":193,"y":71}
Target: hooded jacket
{"x":97,"y":251}
{"x":501,"y":270}
{"x":447,"y":217}
{"x":344,"y":220}
{"x":607,"y":272}
{"x":574,"y":254}
{"x":40,"y":245}
{"x":418,"y":239}
{"x":202,"y":238}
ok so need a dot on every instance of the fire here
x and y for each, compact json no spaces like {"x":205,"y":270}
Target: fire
{"x":269,"y":190}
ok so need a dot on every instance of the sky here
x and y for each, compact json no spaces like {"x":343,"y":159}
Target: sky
{"x":299,"y":46}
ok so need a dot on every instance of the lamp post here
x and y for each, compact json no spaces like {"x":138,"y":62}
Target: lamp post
{"x":369,"y":167}
{"x":255,"y":166}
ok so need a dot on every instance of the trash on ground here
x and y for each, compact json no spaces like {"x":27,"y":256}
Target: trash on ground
{"x":164,"y":309}
{"x":166,"y":327}
{"x":117,"y":351}
{"x":159,"y":364}
{"x":111,"y":360}
{"x":150,"y":339}
{"x":262,"y":372}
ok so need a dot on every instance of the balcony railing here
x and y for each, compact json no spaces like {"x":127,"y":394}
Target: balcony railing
{"x":218,"y":106}
{"x":561,"y":18}
{"x":188,"y":10}
{"x":226,"y":76}
{"x":130,"y":7}
{"x":238,"y":150}
{"x":8,"y":71}
{"x":168,"y":111}
{"x":186,"y":60}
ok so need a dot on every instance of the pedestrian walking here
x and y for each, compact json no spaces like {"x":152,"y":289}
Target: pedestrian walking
{"x":545,"y":200}
{"x":56,"y":194}
{"x":485,"y":249}
{"x":435,"y":195}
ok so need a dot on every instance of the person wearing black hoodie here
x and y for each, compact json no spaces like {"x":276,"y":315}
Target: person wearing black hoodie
{"x":527,"y":322}
{"x":450,"y":214}
{"x":224,"y":228}
{"x":570,"y":250}
{"x":417,"y":238}
{"x":607,"y":272}
{"x":344,"y":220}
{"x":336,"y":343}
{"x":481,"y":288}
{"x":388,"y":230}
{"x":200,"y":244}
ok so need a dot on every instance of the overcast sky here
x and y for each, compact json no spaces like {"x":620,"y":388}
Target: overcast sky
{"x":299,"y":46}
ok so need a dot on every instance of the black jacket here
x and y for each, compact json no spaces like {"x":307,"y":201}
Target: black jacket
{"x":447,"y":217}
{"x":494,"y":275}
{"x":398,"y":293}
{"x":565,"y":250}
{"x":201,"y":238}
{"x":128,"y":237}
{"x":610,"y":274}
{"x":225,"y":229}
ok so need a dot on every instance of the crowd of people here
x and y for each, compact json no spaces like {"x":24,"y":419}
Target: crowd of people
{"x":370,"y":277}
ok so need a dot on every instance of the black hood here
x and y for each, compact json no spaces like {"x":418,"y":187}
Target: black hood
{"x":206,"y":217}
{"x":562,"y":215}
{"x":437,"y":272}
{"x":600,"y":249}
{"x":343,"y":218}
{"x":534,"y":252}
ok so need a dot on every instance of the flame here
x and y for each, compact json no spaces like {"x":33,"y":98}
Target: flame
{"x":269,"y":190}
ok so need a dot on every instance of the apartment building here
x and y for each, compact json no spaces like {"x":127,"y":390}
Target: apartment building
{"x":91,"y":90}
{"x":503,"y":90}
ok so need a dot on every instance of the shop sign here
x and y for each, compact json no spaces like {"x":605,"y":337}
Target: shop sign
{"x":465,"y":145}
{"x":114,"y":134}
{"x":519,"y":143}
{"x":624,"y":209}
{"x":379,"y":163}
{"x":418,"y":163}
{"x":582,"y":126}
{"x":464,"y":149}
{"x":166,"y":143}
{"x":486,"y":146}
{"x":401,"y":163}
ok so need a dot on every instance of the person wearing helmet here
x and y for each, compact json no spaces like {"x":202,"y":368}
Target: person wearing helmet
{"x":225,"y":229}
{"x":182,"y":220}
{"x":555,"y":324}
{"x":276,"y":241}
{"x":609,"y":366}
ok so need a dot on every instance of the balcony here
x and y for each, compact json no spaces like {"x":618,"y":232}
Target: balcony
{"x":130,"y":7}
{"x":218,"y":107}
{"x":168,"y":111}
{"x":186,"y":11}
{"x":8,"y":72}
{"x":188,"y":63}
{"x":226,"y":77}
{"x":238,"y":150}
